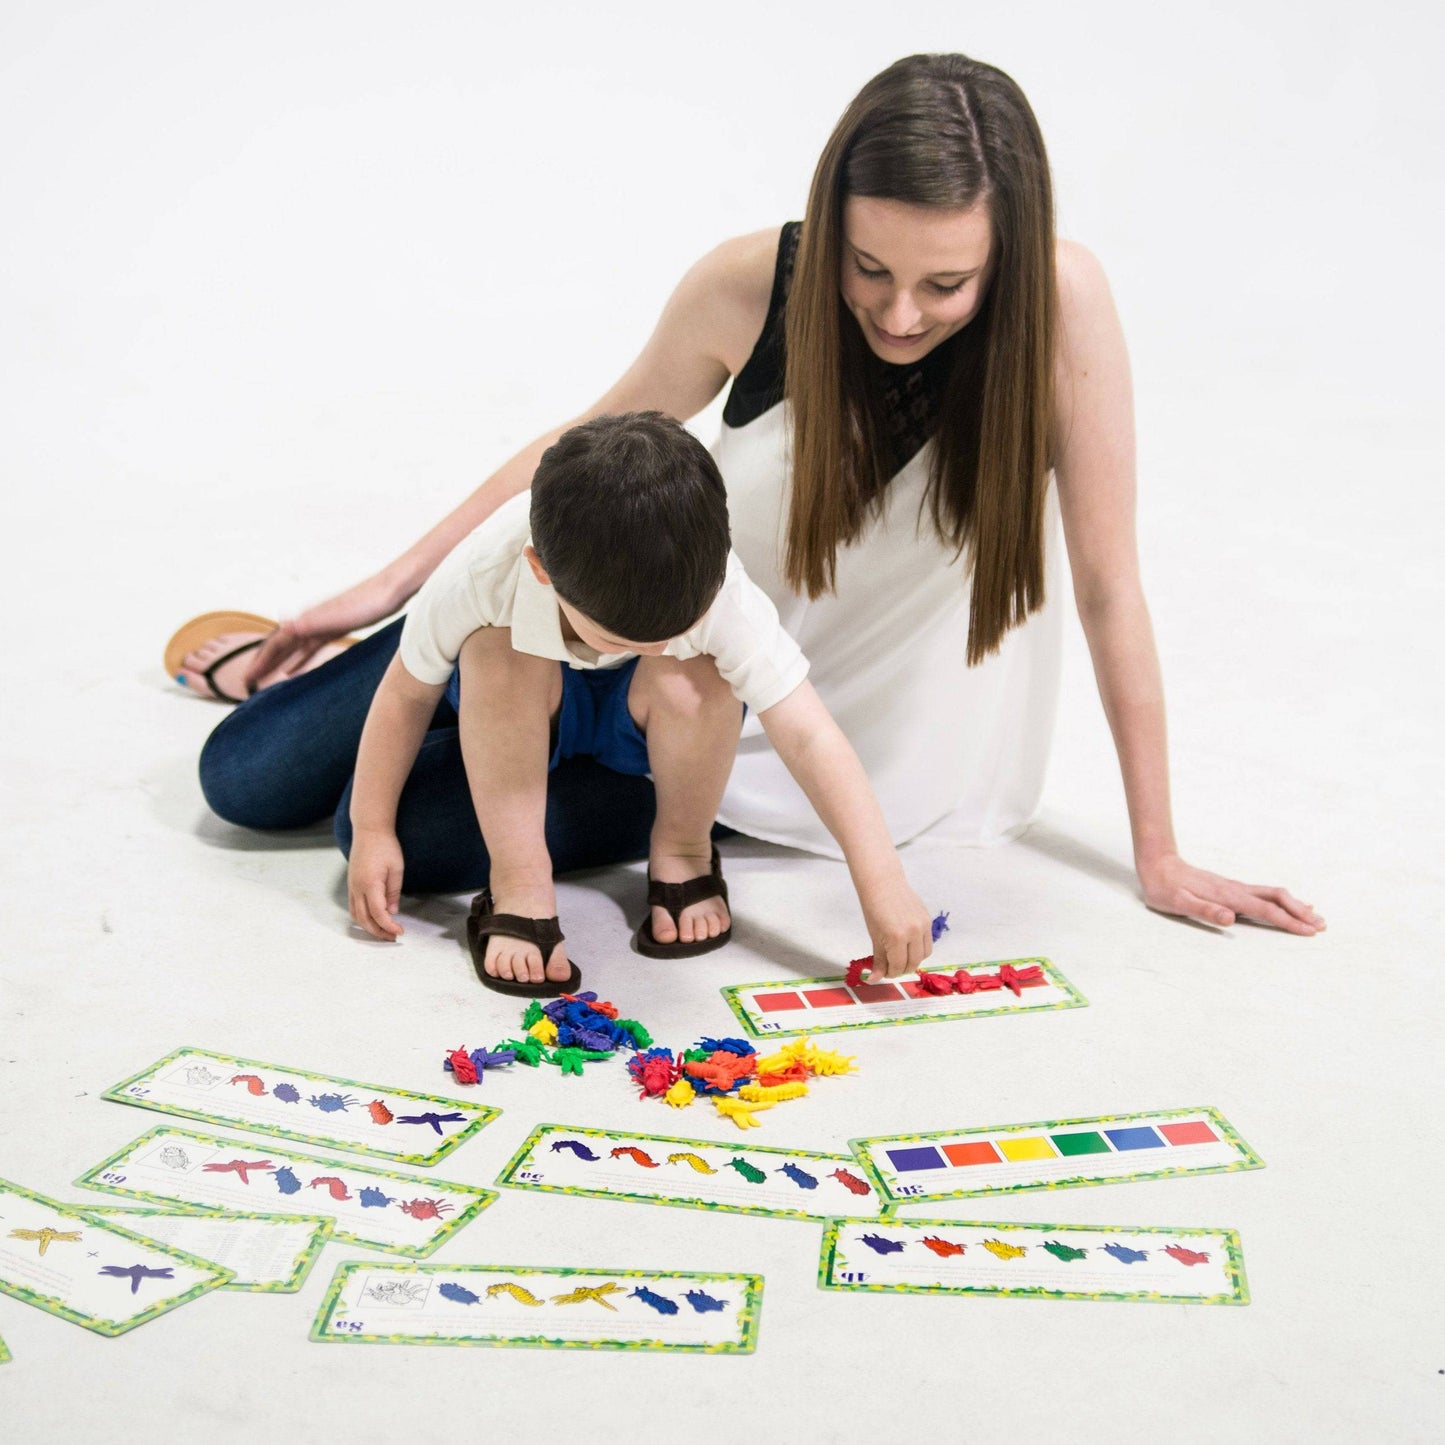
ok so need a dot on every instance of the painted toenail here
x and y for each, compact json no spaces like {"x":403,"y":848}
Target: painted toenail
{"x":181,"y":678}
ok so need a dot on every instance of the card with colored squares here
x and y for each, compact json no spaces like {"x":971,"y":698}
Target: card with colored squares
{"x":580,"y":1309}
{"x":937,"y":995}
{"x":91,"y":1272}
{"x":267,"y":1253}
{"x":1039,"y":1261}
{"x":319,"y":1109}
{"x":399,"y":1213}
{"x":694,"y":1173}
{"x":1102,"y":1150}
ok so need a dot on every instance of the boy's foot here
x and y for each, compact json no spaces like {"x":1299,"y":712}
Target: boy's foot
{"x":199,"y":672}
{"x":688,"y":911}
{"x":508,"y":944}
{"x":516,"y":960}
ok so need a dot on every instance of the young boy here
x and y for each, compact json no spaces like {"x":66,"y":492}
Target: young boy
{"x":605,"y":613}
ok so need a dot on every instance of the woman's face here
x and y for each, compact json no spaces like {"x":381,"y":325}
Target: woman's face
{"x":913,"y":275}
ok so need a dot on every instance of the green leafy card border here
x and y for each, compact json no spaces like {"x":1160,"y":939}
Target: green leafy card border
{"x":1247,"y":1159}
{"x":519,"y":1160}
{"x":322,"y":1232}
{"x":486,"y":1113}
{"x":747,"y":1316}
{"x":484,"y":1197}
{"x":1233,"y":1246}
{"x":53,"y":1306}
{"x":730,"y":993}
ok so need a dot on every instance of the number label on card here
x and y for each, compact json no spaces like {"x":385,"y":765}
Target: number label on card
{"x":111,"y":1177}
{"x":138,"y":1091}
{"x":908,"y":1189}
{"x":351,"y":1326}
{"x":527,"y":1174}
{"x":855,"y":1276}
{"x":767,"y":1026}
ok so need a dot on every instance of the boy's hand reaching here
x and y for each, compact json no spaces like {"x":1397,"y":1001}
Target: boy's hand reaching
{"x":373,"y":883}
{"x":899,"y":925}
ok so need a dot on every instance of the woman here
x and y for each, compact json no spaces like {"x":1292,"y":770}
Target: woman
{"x":943,"y":358}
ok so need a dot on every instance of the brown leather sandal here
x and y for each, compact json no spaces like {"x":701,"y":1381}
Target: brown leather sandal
{"x":545,"y":933}
{"x":675,"y":897}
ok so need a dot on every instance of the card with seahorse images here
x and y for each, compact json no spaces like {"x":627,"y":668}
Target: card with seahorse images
{"x":399,"y":1213}
{"x":694,"y":1173}
{"x":1035,"y":1261}
{"x":319,"y":1109}
{"x":269,"y":1253}
{"x":1101,"y":1149}
{"x":92,"y":1273}
{"x":585,"y":1309}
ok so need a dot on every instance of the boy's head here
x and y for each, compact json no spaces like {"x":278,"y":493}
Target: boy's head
{"x":630,"y":523}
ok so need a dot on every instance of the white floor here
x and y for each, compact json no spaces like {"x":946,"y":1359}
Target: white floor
{"x":279,"y":283}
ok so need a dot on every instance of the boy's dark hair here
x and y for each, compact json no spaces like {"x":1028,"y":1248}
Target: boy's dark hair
{"x":630,"y":520}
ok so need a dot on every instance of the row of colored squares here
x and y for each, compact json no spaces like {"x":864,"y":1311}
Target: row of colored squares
{"x":1029,"y":1147}
{"x":840,"y":996}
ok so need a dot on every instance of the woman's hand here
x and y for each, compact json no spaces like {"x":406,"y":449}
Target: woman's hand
{"x":295,"y":642}
{"x":1173,"y":886}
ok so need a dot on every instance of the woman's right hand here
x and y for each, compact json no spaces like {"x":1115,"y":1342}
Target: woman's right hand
{"x":297,"y":640}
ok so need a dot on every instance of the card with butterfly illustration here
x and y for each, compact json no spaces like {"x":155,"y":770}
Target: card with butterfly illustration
{"x":95,"y":1274}
{"x":1042,"y":1261}
{"x":326,"y":1109}
{"x":590,"y":1309}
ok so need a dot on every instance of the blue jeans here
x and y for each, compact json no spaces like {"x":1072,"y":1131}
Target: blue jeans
{"x":284,"y":759}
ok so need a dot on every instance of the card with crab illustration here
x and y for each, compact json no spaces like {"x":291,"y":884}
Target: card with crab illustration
{"x":1040,"y":1261}
{"x":399,"y":1213}
{"x":323,"y":1109}
{"x":582,"y":1309}
{"x":90,"y":1272}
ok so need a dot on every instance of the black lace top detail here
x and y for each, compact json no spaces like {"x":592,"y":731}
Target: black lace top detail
{"x":908,"y":396}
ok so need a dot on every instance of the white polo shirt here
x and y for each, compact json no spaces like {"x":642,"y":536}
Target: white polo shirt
{"x":485,"y":581}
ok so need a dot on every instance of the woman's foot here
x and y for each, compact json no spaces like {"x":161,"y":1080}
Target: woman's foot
{"x":698,"y":921}
{"x":228,"y":681}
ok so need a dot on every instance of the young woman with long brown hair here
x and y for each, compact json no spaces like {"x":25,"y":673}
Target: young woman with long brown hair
{"x":922,"y":377}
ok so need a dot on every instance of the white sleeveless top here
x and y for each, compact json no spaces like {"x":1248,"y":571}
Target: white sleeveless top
{"x":939,"y":740}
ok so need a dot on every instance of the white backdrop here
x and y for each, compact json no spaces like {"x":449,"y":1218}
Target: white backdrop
{"x":279,"y":283}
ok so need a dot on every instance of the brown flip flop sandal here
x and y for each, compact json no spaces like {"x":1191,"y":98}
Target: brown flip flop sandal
{"x":545,"y":933}
{"x":210,"y":625}
{"x":675,"y":897}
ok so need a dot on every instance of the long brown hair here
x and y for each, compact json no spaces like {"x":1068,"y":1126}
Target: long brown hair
{"x":947,"y":131}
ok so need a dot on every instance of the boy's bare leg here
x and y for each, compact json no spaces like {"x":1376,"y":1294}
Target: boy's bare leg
{"x":691,"y":721}
{"x":507,"y":705}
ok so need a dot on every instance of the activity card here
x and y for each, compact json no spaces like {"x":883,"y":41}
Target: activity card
{"x":399,"y":1213}
{"x":1102,"y":1150}
{"x":938,"y":994}
{"x":1044,"y":1261}
{"x":656,"y":1169}
{"x":89,"y":1272}
{"x":587,"y":1309}
{"x":272,"y":1253}
{"x":392,"y":1124}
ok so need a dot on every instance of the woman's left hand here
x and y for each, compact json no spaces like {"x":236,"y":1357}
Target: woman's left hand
{"x":1173,"y":886}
